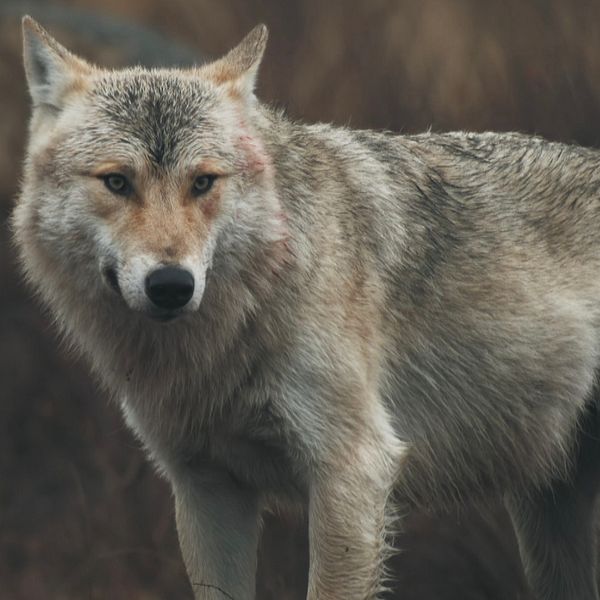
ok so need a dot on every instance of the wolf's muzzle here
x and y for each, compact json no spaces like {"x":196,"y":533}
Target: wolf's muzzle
{"x":170,"y":287}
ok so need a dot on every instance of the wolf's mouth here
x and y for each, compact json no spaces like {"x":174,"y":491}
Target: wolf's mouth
{"x":165,"y":317}
{"x":113,"y":281}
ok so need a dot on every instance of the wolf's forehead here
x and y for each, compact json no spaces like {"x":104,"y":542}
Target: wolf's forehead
{"x":162,"y":112}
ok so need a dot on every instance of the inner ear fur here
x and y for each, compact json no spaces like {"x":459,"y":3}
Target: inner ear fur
{"x":51,"y":70}
{"x":238,"y":69}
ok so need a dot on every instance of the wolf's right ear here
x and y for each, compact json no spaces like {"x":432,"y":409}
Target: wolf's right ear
{"x":50,"y":68}
{"x":239,"y":67}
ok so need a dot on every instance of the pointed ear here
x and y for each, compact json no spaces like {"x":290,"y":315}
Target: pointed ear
{"x":50,"y":68}
{"x":239,"y":67}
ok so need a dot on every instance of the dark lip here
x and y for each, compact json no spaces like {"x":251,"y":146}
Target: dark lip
{"x":110,"y":274}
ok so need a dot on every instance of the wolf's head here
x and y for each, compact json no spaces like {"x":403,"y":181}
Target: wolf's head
{"x":137,"y":181}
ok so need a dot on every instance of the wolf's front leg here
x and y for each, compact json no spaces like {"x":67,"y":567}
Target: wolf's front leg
{"x":347,"y":520}
{"x":218,"y":527}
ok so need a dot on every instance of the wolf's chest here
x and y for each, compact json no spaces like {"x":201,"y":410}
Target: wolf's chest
{"x":261,"y":462}
{"x":251,"y":444}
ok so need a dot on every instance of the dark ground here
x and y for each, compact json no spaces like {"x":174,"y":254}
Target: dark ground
{"x":82,"y":515}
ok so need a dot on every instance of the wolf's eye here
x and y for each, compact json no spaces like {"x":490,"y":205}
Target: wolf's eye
{"x":202,"y":184}
{"x":117,"y":184}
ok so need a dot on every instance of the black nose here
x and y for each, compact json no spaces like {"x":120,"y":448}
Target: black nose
{"x":170,"y":287}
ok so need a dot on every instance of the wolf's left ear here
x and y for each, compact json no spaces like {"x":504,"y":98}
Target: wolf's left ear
{"x":50,"y":68}
{"x":239,"y":67}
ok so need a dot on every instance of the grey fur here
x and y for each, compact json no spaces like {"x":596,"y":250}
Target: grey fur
{"x":418,"y":313}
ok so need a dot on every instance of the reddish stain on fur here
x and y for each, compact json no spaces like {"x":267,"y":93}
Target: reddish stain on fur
{"x":253,"y":157}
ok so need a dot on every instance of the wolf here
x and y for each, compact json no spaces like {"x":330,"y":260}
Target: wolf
{"x":354,"y":323}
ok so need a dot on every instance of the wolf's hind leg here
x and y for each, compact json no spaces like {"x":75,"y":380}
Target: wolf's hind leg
{"x":556,"y":528}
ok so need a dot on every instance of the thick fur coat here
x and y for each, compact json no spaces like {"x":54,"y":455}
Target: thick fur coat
{"x":370,"y":314}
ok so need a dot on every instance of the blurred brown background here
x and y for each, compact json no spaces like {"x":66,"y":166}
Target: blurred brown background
{"x":81,"y":513}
